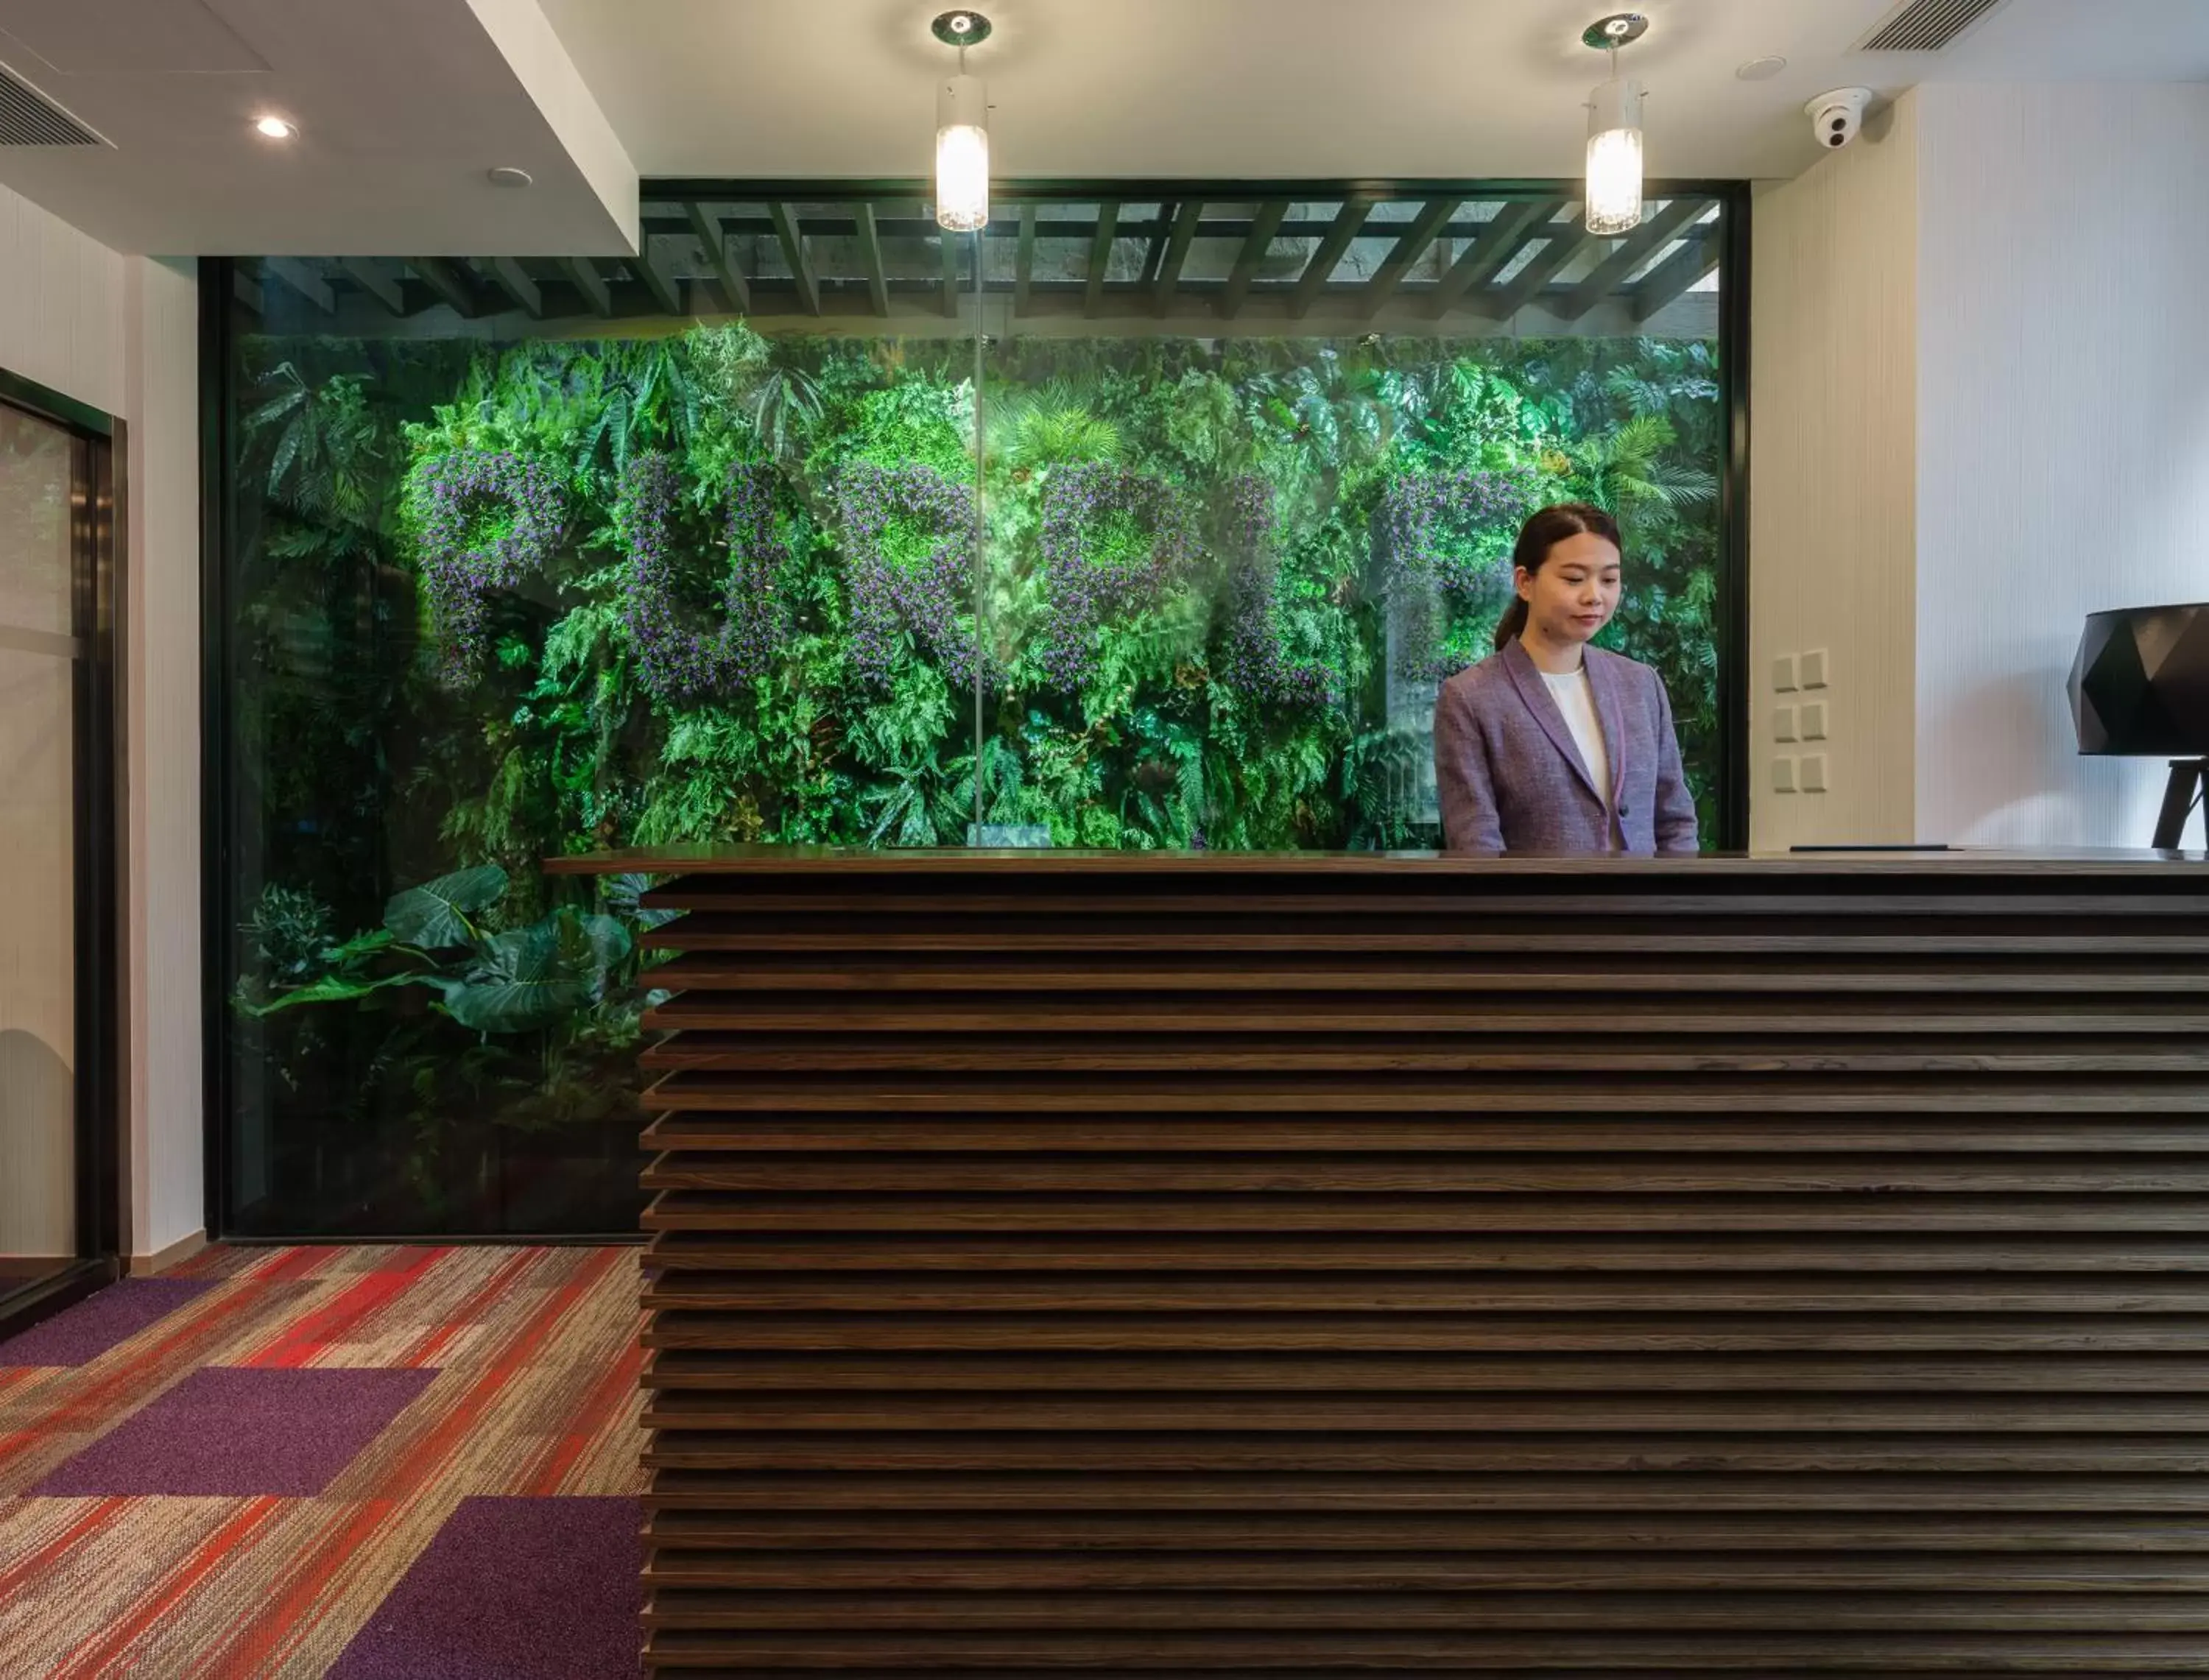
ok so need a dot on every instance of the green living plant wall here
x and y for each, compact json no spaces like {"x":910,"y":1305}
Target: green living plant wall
{"x":492,"y":604}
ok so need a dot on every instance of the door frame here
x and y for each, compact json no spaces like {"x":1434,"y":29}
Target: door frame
{"x":96,"y":525}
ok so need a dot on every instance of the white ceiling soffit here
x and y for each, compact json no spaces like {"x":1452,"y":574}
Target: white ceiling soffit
{"x":1292,"y":89}
{"x":402,"y":107}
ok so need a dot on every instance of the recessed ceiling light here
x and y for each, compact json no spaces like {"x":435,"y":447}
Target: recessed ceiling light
{"x":1761,"y":70}
{"x":274,"y":128}
{"x":507,"y":176}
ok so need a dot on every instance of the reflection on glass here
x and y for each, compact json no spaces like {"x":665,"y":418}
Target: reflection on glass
{"x":38,"y":933}
{"x":503,"y":587}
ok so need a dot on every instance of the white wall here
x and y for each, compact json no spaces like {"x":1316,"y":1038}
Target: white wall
{"x":162,"y":727}
{"x":1981,"y":403}
{"x":121,"y":334}
{"x":2063,"y":428}
{"x":1832,"y":372}
{"x":60,"y":305}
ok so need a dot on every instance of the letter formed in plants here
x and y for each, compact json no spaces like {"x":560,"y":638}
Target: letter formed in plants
{"x":487,"y":519}
{"x":908,"y":560}
{"x":674,"y":661}
{"x":1251,"y":659}
{"x":1446,"y":542}
{"x":1087,"y":585}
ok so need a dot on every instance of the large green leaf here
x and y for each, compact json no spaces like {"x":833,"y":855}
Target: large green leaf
{"x":435,"y":915}
{"x":359,"y":946}
{"x":536,"y":976}
{"x":332,"y":989}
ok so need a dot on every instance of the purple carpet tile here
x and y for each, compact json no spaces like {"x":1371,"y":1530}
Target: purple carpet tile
{"x":549,"y":1588}
{"x":226,"y":1431}
{"x":79,"y":1334}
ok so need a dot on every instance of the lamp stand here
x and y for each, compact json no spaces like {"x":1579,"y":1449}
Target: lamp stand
{"x":2189,"y":776}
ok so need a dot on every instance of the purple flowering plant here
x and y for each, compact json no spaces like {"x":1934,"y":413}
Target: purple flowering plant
{"x":675,"y":660}
{"x":1251,"y":657}
{"x":486,"y":519}
{"x":1113,"y":543}
{"x":1445,"y":542}
{"x":908,"y":549}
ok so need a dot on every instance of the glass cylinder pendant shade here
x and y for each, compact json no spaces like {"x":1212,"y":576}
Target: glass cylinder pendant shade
{"x":962,"y":154}
{"x":1613,"y":158}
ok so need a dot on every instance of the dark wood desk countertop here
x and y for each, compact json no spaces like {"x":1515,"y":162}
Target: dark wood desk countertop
{"x":860,"y":860}
{"x":1139,"y":1264}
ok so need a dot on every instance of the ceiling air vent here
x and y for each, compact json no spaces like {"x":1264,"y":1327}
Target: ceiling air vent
{"x":28,"y":118}
{"x":1926,"y":26}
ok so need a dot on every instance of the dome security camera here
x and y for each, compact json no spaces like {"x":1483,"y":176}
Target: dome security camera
{"x":1837,"y":117}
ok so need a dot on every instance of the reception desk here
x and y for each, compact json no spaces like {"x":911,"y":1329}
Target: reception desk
{"x":1177,"y":1264}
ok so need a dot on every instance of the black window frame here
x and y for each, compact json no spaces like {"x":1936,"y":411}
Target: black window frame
{"x":220,"y":277}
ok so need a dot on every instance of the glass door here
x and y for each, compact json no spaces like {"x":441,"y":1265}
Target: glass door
{"x":56,"y":1185}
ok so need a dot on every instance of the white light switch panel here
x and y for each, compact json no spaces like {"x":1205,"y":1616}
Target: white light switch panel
{"x":1783,"y":723}
{"x":1814,"y":721}
{"x":1783,"y":775}
{"x":1782,"y":674}
{"x":1814,"y":773}
{"x":1812,"y":670}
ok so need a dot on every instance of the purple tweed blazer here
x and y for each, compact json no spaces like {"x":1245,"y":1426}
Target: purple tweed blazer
{"x":1511,"y":778}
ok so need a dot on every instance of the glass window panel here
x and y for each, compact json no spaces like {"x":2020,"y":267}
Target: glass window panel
{"x":1361,"y":259}
{"x":1224,"y":567}
{"x":37,"y":780}
{"x":35,"y":513}
{"x":38,"y":962}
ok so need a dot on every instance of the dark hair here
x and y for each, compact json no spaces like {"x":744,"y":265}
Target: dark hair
{"x":1543,"y":530}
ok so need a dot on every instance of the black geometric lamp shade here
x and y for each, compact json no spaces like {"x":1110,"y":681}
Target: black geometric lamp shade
{"x":2140,"y":686}
{"x":2140,"y":682}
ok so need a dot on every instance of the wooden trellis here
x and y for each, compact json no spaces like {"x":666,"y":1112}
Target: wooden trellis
{"x":1397,"y":261}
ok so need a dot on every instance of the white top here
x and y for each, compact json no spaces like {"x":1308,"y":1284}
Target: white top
{"x":1575,"y":698}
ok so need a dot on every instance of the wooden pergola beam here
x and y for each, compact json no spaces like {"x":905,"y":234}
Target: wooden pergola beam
{"x":1128,"y":313}
{"x":1186,"y":222}
{"x":512,"y":280}
{"x":371,"y":278}
{"x":451,"y":287}
{"x":715,"y":239}
{"x":1263,"y":226}
{"x":1630,"y":252}
{"x":793,"y":251}
{"x":1671,"y":279}
{"x":1100,"y":254}
{"x":870,"y":254}
{"x":1492,"y":249}
{"x":597,"y":294}
{"x":1564,"y":245}
{"x":659,"y":279}
{"x":1409,"y":250}
{"x":1347,"y":222}
{"x":301,"y":279}
{"x":1024,"y":259}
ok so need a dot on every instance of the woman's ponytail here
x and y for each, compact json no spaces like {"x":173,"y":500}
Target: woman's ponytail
{"x":1543,"y":530}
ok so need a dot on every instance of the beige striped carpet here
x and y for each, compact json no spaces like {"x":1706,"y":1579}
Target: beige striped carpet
{"x":361,"y":1462}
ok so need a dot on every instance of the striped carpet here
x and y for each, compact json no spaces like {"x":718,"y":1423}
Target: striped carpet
{"x":368,"y":1463}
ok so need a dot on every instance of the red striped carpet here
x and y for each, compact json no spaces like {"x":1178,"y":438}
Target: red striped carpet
{"x":368,"y":1463}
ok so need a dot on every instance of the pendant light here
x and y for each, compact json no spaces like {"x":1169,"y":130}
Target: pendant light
{"x":962,"y":131}
{"x":1614,"y":148}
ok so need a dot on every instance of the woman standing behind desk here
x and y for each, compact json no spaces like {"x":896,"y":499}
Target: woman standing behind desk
{"x":1551,"y":745}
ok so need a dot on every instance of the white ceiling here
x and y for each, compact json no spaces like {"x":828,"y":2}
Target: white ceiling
{"x":1324,"y":88}
{"x":404,"y":105}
